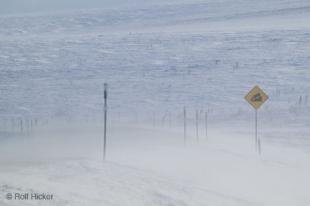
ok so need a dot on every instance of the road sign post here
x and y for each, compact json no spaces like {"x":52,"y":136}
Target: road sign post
{"x":256,"y":97}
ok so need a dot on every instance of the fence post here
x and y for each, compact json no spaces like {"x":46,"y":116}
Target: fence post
{"x":185,"y":125}
{"x":105,"y":95}
{"x":197,"y":125}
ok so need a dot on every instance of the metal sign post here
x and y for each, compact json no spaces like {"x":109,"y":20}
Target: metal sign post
{"x":105,"y":95}
{"x":257,"y":141}
{"x":256,"y":97}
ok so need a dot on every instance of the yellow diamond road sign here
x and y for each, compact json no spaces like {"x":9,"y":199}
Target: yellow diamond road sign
{"x":256,"y":97}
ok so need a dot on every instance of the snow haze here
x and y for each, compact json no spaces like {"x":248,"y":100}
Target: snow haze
{"x":158,"y":57}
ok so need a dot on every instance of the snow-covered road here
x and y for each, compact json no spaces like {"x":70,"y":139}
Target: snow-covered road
{"x":151,"y":166}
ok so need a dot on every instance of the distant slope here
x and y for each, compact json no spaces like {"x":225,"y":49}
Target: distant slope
{"x":199,"y":54}
{"x":144,"y":17}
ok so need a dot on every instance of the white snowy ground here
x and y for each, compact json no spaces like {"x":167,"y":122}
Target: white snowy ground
{"x":157,"y":59}
{"x":150,"y":166}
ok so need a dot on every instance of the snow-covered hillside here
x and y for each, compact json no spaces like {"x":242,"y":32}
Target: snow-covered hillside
{"x":157,"y":58}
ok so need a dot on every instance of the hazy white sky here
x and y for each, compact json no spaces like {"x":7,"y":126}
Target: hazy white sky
{"x":22,"y":6}
{"x":25,"y":6}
